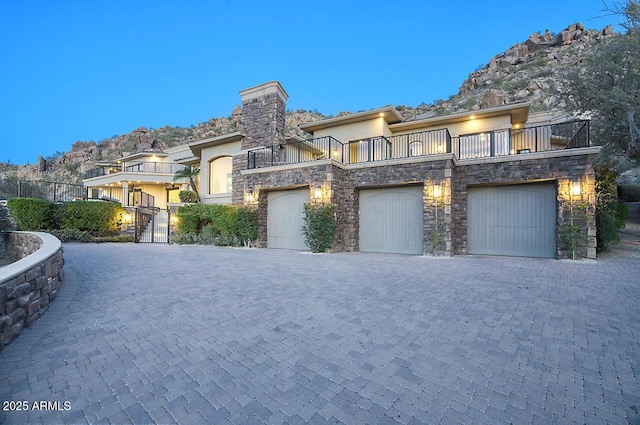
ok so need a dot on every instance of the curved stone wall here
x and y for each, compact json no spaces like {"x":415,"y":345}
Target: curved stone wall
{"x":28,"y":285}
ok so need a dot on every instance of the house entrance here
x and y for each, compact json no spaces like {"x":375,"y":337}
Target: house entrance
{"x":152,"y":225}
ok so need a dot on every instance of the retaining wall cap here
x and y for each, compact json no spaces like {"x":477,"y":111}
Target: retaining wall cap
{"x":50,"y":246}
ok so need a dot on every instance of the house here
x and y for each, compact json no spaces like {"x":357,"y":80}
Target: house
{"x":498,"y":181}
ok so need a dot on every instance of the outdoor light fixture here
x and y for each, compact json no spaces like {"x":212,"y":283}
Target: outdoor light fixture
{"x":251,"y":190}
{"x":437,"y":191}
{"x":576,"y":189}
{"x":318,"y":192}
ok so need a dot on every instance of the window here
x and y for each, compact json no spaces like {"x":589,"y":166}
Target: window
{"x":220,"y":175}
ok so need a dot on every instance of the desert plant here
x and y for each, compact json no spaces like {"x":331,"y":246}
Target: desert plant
{"x":188,"y":196}
{"x":320,"y":226}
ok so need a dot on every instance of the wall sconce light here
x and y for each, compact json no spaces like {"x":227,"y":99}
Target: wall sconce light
{"x":251,"y":190}
{"x":128,"y":217}
{"x":576,"y":189}
{"x":437,"y":191}
{"x":249,"y":196}
{"x":318,"y":192}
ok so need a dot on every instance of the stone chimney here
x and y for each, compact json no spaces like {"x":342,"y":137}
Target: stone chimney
{"x":263,"y":110}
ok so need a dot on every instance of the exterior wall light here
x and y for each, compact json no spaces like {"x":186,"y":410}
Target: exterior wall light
{"x":437,"y":191}
{"x":576,"y":188}
{"x":318,"y":192}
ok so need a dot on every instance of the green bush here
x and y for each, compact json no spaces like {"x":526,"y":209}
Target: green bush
{"x":247,"y":225}
{"x":31,"y":214}
{"x":188,"y":196}
{"x":319,"y":227}
{"x":221,"y":217}
{"x":97,"y":218}
{"x":629,"y":192}
{"x":187,"y":222}
{"x":69,"y":235}
{"x":610,"y":214}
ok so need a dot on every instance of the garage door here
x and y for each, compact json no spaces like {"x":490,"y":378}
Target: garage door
{"x":391,"y":220}
{"x":285,"y":217}
{"x":517,"y":220}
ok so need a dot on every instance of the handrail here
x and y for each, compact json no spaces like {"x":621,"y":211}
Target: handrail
{"x":296,"y":152}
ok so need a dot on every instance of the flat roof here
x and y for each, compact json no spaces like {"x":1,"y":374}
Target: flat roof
{"x":196,"y":147}
{"x":388,"y":112}
{"x":142,"y":154}
{"x":519,"y":114}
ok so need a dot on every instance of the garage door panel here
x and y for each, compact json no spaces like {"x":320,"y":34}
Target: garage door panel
{"x":518,"y":220}
{"x":285,"y":218}
{"x":391,"y":220}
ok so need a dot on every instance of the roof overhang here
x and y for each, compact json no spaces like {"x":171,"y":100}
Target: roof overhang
{"x":389,"y":113}
{"x":196,"y":147}
{"x":519,"y":113}
{"x":139,"y":155}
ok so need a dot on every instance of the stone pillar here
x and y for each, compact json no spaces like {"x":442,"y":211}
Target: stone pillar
{"x":263,"y":113}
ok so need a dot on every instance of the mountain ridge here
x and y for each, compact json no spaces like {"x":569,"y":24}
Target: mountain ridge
{"x":531,"y":71}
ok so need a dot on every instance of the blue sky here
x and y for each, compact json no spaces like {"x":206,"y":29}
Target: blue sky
{"x":87,"y":70}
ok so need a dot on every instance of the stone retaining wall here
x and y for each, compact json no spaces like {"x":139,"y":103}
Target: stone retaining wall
{"x":28,"y":285}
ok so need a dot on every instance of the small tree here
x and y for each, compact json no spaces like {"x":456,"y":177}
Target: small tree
{"x":319,"y":227}
{"x":188,"y":172}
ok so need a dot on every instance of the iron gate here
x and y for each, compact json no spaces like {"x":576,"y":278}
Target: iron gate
{"x":152,"y":225}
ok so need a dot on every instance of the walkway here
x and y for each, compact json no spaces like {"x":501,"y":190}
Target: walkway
{"x":155,"y":333}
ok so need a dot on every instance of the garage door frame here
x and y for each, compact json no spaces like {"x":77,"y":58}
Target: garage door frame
{"x":391,"y":219}
{"x":285,"y":217}
{"x":513,"y":220}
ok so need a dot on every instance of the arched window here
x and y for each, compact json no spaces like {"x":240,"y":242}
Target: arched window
{"x":220,"y":175}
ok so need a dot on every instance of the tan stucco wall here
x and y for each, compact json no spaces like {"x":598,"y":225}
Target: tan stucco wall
{"x":209,"y":154}
{"x":355,"y":131}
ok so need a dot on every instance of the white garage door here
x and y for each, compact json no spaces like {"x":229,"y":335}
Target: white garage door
{"x":391,"y":220}
{"x":285,"y":217}
{"x":517,"y":220}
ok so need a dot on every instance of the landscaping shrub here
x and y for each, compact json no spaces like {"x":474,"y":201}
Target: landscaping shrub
{"x":216,"y":224}
{"x":187,"y":222}
{"x":31,"y":214}
{"x":319,"y":227}
{"x":247,"y":225}
{"x":98,"y":218}
{"x":68,"y":235}
{"x":610,"y":214}
{"x":188,"y":196}
{"x":629,"y":192}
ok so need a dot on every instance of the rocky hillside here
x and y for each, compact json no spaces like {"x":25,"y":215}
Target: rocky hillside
{"x":528,"y":71}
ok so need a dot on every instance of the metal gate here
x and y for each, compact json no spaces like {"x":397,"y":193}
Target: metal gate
{"x":152,"y":225}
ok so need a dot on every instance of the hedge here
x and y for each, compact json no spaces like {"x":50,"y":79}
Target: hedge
{"x":31,"y":214}
{"x":78,"y":220}
{"x":216,"y":224}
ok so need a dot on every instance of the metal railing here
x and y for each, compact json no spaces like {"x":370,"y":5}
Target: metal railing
{"x":421,"y":143}
{"x":135,"y":167}
{"x":567,"y":135}
{"x":113,"y":194}
{"x":152,"y":167}
{"x":100,"y":171}
{"x":296,"y":152}
{"x":50,"y":191}
{"x":138,"y":198}
{"x":368,"y":150}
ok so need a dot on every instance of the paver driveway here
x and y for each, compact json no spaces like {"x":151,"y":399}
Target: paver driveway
{"x":192,"y":334}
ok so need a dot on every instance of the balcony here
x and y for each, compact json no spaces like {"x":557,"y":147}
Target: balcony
{"x":296,"y":152}
{"x":135,"y":167}
{"x":567,"y":135}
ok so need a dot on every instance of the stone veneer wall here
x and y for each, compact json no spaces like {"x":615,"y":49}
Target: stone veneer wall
{"x":27,"y":287}
{"x":341,"y":186}
{"x":562,"y":170}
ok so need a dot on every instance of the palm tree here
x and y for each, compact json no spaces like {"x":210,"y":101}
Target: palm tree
{"x":188,"y":172}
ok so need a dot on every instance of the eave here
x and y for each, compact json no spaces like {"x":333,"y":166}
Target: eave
{"x":389,"y":113}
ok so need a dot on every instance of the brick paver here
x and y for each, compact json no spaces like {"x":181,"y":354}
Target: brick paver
{"x":191,"y":334}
